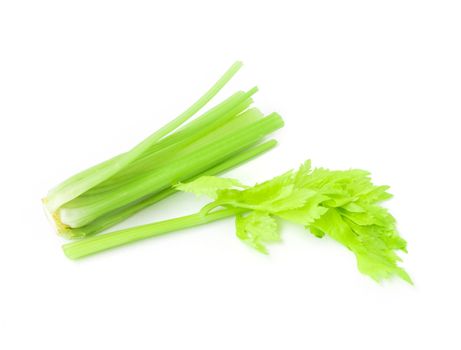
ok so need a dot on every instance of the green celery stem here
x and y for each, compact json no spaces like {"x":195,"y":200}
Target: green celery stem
{"x":96,"y":244}
{"x":112,"y":218}
{"x":83,"y":210}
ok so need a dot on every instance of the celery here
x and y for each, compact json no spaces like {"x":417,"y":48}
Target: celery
{"x":85,"y":209}
{"x":344,"y":205}
{"x":224,"y":136}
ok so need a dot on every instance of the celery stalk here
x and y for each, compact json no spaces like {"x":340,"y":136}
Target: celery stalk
{"x":106,"y":221}
{"x":95,"y":244}
{"x":109,"y":192}
{"x":83,"y":210}
{"x":78,"y":184}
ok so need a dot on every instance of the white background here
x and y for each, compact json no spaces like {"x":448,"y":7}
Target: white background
{"x":367,"y":84}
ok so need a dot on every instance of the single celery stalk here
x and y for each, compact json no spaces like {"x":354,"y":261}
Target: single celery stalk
{"x":95,"y":244}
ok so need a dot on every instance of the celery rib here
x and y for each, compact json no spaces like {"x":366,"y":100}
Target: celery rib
{"x":95,"y":244}
{"x":226,"y":135}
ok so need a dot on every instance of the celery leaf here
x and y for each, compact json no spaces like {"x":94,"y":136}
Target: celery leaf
{"x":257,"y":228}
{"x":344,"y":205}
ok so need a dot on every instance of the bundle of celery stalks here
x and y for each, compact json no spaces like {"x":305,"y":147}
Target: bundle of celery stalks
{"x":344,"y":205}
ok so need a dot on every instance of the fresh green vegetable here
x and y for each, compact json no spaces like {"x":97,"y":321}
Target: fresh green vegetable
{"x":341,"y":204}
{"x":226,"y":136}
{"x":106,"y":221}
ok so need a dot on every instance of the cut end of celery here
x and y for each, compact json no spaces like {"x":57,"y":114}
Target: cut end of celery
{"x":69,"y":253}
{"x":236,"y":66}
{"x":61,"y":228}
{"x":253,"y":90}
{"x":46,"y":205}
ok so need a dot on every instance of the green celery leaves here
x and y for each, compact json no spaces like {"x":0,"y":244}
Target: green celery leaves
{"x":344,"y":205}
{"x":257,"y":228}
